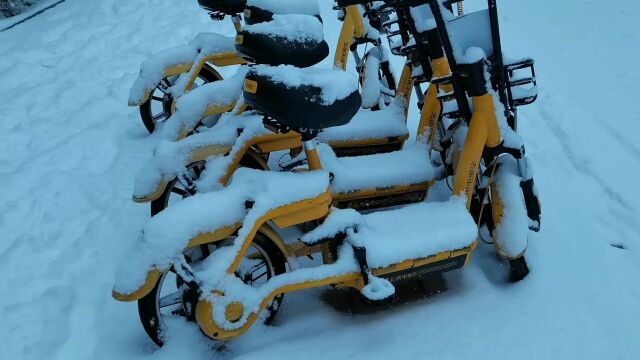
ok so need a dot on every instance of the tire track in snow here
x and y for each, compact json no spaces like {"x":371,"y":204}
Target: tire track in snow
{"x":626,"y":212}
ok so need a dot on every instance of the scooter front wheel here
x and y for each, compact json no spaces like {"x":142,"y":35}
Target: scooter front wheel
{"x":509,"y":215}
{"x":171,"y":299}
{"x":157,"y":108}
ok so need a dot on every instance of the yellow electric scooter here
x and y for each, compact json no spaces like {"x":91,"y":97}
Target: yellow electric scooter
{"x":357,"y":138}
{"x":350,"y":260}
{"x":174,"y":72}
{"x":365,"y":252}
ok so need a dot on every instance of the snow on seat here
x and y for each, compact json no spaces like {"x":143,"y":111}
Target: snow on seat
{"x":409,"y":166}
{"x":287,"y":39}
{"x":306,"y":7}
{"x":258,"y":11}
{"x":366,"y":124}
{"x":411,"y":232}
{"x":153,"y":69}
{"x":415,"y":231}
{"x":166,"y":235}
{"x":171,"y":157}
{"x":309,"y":98}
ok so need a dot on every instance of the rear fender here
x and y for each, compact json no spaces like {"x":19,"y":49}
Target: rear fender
{"x":150,"y":77}
{"x":149,"y":82}
{"x":162,"y":180}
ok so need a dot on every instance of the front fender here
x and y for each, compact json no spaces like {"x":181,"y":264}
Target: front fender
{"x":147,"y":81}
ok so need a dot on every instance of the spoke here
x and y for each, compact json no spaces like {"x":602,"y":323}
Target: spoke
{"x":166,"y":82}
{"x":179,"y":191}
{"x":189,"y":188}
{"x":197,"y":171}
{"x":171,"y":299}
{"x":158,"y":98}
{"x":159,"y":117}
{"x":249,"y":274}
{"x":256,"y":267}
{"x":163,"y":89}
{"x":258,"y":277}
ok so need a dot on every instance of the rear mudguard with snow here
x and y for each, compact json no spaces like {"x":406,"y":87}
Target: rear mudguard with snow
{"x":188,"y":66}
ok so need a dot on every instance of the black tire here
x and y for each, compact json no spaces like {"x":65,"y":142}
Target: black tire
{"x":519,"y":269}
{"x":180,"y":188}
{"x":511,"y":181}
{"x":385,"y":76}
{"x":149,"y":308}
{"x":160,"y":99}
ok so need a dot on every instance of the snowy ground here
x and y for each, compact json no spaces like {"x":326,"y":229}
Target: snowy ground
{"x":69,"y":149}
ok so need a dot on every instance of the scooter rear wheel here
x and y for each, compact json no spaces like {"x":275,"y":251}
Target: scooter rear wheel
{"x":157,"y":109}
{"x":172,"y":299}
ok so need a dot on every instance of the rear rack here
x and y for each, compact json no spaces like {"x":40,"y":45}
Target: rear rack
{"x":519,"y":93}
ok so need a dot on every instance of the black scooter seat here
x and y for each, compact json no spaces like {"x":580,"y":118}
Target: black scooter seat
{"x":273,"y":43}
{"x":303,"y":105}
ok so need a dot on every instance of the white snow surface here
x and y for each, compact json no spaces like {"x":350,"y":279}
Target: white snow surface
{"x":411,"y":232}
{"x":304,"y":7}
{"x":387,"y":122}
{"x":70,"y":147}
{"x":293,"y":27}
{"x":334,"y":84}
{"x":408,"y":166}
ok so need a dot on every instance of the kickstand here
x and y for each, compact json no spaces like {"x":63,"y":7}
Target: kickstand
{"x":360,"y":254}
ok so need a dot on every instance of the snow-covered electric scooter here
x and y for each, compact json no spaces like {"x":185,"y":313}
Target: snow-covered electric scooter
{"x":356,"y":252}
{"x":232,"y":268}
{"x":172,"y":73}
{"x":176,"y":167}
